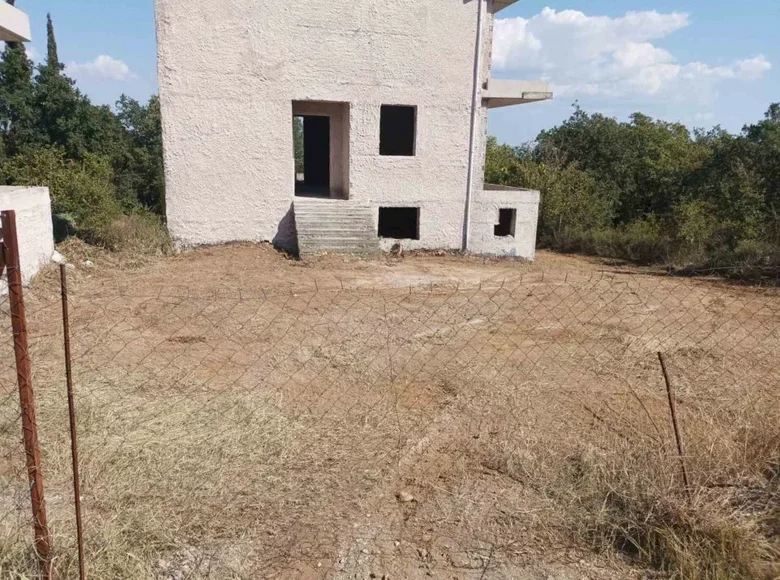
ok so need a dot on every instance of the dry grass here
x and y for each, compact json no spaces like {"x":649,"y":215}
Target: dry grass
{"x":238,"y":431}
{"x":139,"y":233}
{"x":633,"y":502}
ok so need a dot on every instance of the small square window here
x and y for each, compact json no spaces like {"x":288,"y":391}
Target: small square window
{"x":505,"y":228}
{"x":399,"y":223}
{"x":397,"y":128}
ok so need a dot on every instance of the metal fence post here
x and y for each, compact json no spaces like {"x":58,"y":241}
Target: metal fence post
{"x":26,"y":396}
{"x":675,"y":423}
{"x":74,"y":447}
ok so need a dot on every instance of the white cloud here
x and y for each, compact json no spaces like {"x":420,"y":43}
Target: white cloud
{"x":753,"y":68}
{"x":614,"y":57}
{"x":104,"y":67}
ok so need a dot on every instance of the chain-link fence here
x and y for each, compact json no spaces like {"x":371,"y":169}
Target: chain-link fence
{"x":453,"y":431}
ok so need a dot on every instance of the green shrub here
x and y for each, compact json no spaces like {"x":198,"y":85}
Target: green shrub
{"x":80,"y":189}
{"x":64,"y":226}
{"x":696,"y":225}
{"x":642,"y":242}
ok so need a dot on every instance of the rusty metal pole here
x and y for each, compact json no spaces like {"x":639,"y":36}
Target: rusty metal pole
{"x":26,"y":395}
{"x":677,"y":432}
{"x":74,"y":447}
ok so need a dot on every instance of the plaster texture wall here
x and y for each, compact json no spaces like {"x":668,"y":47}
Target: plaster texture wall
{"x":34,"y":227}
{"x":229,"y":73}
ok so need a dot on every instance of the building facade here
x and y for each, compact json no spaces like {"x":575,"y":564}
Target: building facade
{"x":391,"y":99}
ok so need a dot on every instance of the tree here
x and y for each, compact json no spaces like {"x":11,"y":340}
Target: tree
{"x":62,"y":111}
{"x":773,"y":113}
{"x":17,"y":114}
{"x":140,"y":172}
{"x":52,"y":56}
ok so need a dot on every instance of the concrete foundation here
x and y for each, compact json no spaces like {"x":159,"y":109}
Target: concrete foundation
{"x":521,"y":243}
{"x":34,"y":227}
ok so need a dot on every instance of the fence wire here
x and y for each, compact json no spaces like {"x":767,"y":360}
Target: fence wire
{"x":344,"y":432}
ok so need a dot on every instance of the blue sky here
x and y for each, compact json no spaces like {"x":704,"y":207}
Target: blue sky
{"x":702,"y":62}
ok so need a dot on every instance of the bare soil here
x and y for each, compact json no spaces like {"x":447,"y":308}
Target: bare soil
{"x":247,"y":415}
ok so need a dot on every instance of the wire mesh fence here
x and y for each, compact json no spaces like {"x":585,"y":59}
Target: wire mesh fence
{"x":343,"y":432}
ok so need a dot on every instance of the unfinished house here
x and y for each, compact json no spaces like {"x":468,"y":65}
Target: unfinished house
{"x":341,"y":126}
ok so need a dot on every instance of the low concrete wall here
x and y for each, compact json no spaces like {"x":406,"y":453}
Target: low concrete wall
{"x":34,"y":227}
{"x":485,"y":217}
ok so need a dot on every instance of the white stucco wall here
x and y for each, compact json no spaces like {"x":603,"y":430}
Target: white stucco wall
{"x":33,"y":225}
{"x":230,"y":72}
{"x":523,"y":243}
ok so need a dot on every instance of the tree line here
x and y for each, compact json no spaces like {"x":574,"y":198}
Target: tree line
{"x":642,"y":190}
{"x":654,"y":192}
{"x":103,"y":166}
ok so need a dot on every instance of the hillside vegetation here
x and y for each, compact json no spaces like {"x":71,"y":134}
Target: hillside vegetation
{"x":654,"y":192}
{"x":103,"y":166}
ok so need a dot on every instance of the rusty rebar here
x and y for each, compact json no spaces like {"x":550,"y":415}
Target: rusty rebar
{"x":26,"y":393}
{"x":74,"y":447}
{"x":675,"y":423}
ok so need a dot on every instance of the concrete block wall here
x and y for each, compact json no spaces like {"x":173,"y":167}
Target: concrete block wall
{"x":34,"y":227}
{"x":522,"y":244}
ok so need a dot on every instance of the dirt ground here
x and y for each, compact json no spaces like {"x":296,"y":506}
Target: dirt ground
{"x":253,"y":268}
{"x":246,"y":415}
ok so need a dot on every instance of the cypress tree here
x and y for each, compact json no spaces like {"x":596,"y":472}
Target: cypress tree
{"x":52,"y":57}
{"x":61,"y":107}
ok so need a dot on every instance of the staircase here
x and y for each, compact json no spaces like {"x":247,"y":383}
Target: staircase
{"x":335,"y":226}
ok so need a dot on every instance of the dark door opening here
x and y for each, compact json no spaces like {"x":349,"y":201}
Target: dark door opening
{"x":316,"y":157}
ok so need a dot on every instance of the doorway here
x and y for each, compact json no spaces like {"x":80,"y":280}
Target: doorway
{"x":313,"y":169}
{"x":321,"y":149}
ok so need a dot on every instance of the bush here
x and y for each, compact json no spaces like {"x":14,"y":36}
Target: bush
{"x":83,"y":198}
{"x":641,"y":241}
{"x":696,"y":224}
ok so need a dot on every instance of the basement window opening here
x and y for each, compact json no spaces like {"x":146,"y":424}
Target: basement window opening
{"x":397,"y":128}
{"x":399,"y":223}
{"x":505,"y":228}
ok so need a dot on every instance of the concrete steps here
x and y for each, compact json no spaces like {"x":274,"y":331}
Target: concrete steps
{"x":335,"y":226}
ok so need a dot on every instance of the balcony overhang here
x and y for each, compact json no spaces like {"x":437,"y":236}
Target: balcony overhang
{"x":505,"y":93}
{"x":14,"y":24}
{"x":501,"y":4}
